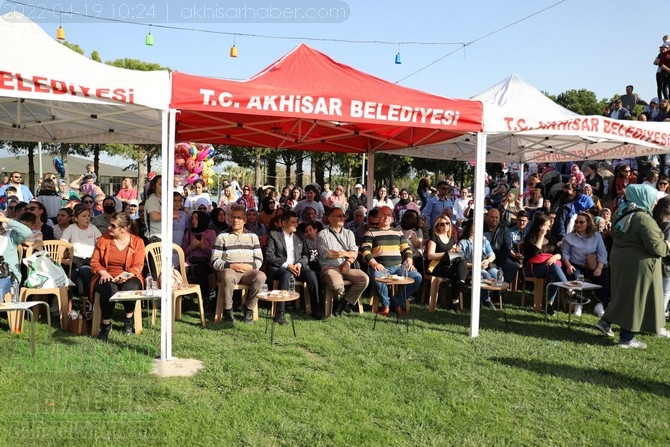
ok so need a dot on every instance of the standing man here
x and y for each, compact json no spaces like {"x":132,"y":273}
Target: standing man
{"x":337,"y":251}
{"x":630,"y":99}
{"x":287,"y":255}
{"x":436,"y":205}
{"x":237,"y":259}
{"x":310,"y":200}
{"x":23,"y":193}
{"x":357,"y":199}
{"x":385,"y":248}
{"x":326,"y":193}
{"x":127,"y":192}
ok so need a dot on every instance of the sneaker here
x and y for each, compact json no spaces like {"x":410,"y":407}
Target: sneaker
{"x":550,"y":310}
{"x":605,"y":328}
{"x":489,"y":304}
{"x":577,"y":310}
{"x":663,"y":333}
{"x":105,"y":329}
{"x":228,"y":316}
{"x":248,"y":315}
{"x":579,"y":299}
{"x":634,"y":343}
{"x":279,"y":318}
{"x":128,"y":326}
{"x":599,"y":310}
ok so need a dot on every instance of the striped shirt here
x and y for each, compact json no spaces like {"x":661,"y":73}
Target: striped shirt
{"x":230,"y":248}
{"x":388,"y":247}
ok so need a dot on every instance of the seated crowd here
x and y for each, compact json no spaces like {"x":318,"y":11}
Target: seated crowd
{"x":559,"y":227}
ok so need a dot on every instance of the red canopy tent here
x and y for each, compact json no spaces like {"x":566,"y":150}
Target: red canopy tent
{"x":307,"y":101}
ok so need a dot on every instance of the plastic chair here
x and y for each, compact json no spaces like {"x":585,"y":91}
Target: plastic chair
{"x":434,"y":283}
{"x":218,"y":314}
{"x":538,"y":287}
{"x":97,"y":316}
{"x":56,"y":251}
{"x":308,"y":303}
{"x":152,"y":253}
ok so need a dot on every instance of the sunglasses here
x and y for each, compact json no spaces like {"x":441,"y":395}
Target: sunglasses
{"x":88,"y":201}
{"x":662,"y":183}
{"x":580,"y":221}
{"x":31,"y":208}
{"x":442,"y":224}
{"x":113,"y":226}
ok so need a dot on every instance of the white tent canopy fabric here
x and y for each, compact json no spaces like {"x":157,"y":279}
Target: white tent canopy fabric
{"x":523,"y":125}
{"x":50,"y":93}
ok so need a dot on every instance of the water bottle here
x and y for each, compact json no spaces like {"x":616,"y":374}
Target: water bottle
{"x":149,"y":285}
{"x":291,"y":284}
{"x":404,"y":270}
{"x":154,"y":288}
{"x":500,"y":278}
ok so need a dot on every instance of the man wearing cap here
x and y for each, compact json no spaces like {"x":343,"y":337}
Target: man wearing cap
{"x":630,"y":99}
{"x":133,"y":209}
{"x":127,"y":192}
{"x":356,"y":200}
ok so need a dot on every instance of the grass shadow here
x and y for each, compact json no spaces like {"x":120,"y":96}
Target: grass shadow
{"x":595,"y":376}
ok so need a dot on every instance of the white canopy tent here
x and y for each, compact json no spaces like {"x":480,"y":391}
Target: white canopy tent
{"x":523,"y":125}
{"x":49,"y":93}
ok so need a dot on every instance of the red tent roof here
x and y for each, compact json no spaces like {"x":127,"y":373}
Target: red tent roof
{"x":307,"y":101}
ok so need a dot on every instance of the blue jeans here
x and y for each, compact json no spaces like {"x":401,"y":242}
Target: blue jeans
{"x":5,"y":287}
{"x":553,"y":272}
{"x":666,"y":293}
{"x":402,"y":292}
{"x":491,"y":273}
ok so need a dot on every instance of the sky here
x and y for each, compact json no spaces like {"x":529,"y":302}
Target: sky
{"x":598,"y":45}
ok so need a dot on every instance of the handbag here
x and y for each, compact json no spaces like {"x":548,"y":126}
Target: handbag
{"x":355,"y":264}
{"x":44,"y":273}
{"x":5,"y":271}
{"x":591,"y":261}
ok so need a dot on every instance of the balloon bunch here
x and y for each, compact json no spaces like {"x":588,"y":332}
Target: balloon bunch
{"x":194,"y":162}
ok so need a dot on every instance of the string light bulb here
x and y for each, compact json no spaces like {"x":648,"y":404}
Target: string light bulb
{"x":149,"y":39}
{"x":233,"y":49}
{"x":60,"y":32}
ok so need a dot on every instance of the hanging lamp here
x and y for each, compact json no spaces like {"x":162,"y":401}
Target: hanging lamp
{"x":60,"y":32}
{"x":398,"y":58}
{"x":149,"y":39}
{"x":233,"y":49}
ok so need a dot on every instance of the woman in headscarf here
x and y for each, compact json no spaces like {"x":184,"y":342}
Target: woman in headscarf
{"x":218,"y":221}
{"x":253,"y":226}
{"x":405,"y":203}
{"x":637,"y":282}
{"x":198,"y":243}
{"x":268,"y":210}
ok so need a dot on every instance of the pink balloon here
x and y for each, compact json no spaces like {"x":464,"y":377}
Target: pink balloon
{"x":192,"y":178}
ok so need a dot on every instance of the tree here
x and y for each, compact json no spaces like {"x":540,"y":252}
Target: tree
{"x":389,"y":167}
{"x":583,"y":102}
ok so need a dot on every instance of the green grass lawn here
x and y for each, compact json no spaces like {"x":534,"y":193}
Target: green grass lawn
{"x":339,"y":383}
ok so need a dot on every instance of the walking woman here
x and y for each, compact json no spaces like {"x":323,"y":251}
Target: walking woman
{"x":117,"y":264}
{"x":637,"y":282}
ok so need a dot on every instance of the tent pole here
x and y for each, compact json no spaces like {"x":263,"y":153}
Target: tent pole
{"x":521,"y":182}
{"x":480,"y":168}
{"x":370,"y":180}
{"x":167,"y":171}
{"x":39,"y":151}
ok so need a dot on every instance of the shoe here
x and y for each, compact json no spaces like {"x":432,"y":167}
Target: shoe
{"x":577,"y":311}
{"x":399,"y":310}
{"x":667,"y":316}
{"x":228,"y":316}
{"x":605,"y":328}
{"x":279,"y":318}
{"x":248,"y":315}
{"x":634,"y":343}
{"x":318,"y":315}
{"x":489,"y":304}
{"x":105,"y":329}
{"x":128,"y":326}
{"x":550,"y":309}
{"x":577,"y":298}
{"x":599,"y":310}
{"x":348,"y":309}
{"x":456,"y":307}
{"x":663,"y":333}
{"x":341,"y":307}
{"x":385,"y":311}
